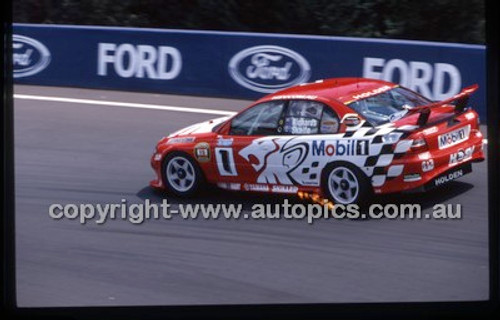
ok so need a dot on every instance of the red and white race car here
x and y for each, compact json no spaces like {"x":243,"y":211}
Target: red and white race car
{"x":343,"y":139}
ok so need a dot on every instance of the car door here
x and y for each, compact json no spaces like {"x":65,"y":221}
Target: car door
{"x":305,"y":124}
{"x":274,"y":156}
{"x":259,"y":121}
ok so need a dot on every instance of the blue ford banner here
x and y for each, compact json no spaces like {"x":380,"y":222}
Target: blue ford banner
{"x":235,"y":64}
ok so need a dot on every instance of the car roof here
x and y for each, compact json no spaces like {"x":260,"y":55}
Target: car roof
{"x":343,"y":90}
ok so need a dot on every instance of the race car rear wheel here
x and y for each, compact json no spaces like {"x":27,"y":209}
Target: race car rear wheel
{"x":181,"y":174}
{"x":343,"y":183}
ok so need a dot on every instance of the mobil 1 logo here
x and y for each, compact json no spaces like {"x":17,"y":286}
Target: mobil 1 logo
{"x":347,"y":147}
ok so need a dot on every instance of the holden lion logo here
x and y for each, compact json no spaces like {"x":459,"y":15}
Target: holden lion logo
{"x":269,"y":68}
{"x":29,"y":56}
{"x":275,"y":159}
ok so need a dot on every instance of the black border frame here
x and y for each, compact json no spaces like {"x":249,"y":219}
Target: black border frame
{"x":8,"y":200}
{"x":493,"y":129}
{"x":440,"y":310}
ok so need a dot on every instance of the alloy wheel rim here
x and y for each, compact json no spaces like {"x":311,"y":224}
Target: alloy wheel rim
{"x":180,"y":174}
{"x":343,"y":185}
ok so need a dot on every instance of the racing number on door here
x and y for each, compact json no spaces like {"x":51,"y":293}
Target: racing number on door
{"x":225,"y":161}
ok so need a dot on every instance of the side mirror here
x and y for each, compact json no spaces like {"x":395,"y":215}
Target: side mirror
{"x":351,"y":120}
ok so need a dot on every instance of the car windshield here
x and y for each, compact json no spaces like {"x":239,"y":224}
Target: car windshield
{"x":388,"y":106}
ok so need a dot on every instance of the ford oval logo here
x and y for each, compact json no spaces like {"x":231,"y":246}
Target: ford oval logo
{"x":269,"y":68}
{"x":29,"y":56}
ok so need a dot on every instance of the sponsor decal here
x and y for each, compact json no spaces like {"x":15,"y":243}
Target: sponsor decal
{"x":329,"y":126}
{"x":229,"y":186}
{"x":448,"y":177}
{"x":181,"y":140}
{"x":454,"y":137}
{"x":430,"y":130}
{"x":223,"y":142}
{"x":299,"y":125}
{"x":275,"y":159}
{"x":299,"y":160}
{"x":30,"y":56}
{"x":202,"y":152}
{"x":371,"y":93}
{"x":268,"y":68}
{"x":348,"y":147}
{"x":256,"y":187}
{"x":427,"y":165}
{"x":225,"y":161}
{"x":461,"y":155}
{"x":139,"y":61}
{"x":284,"y":189}
{"x":295,"y":96}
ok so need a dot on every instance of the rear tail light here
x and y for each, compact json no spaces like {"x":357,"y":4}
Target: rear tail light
{"x":477,"y":133}
{"x":472,"y":116}
{"x":419,"y":144}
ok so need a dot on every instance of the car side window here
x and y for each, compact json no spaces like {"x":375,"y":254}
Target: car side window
{"x":261,"y":119}
{"x":302,"y":117}
{"x":309,"y":117}
{"x":329,"y":122}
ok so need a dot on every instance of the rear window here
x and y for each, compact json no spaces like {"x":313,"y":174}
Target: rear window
{"x":388,"y":106}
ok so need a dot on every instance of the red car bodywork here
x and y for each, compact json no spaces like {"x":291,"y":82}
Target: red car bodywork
{"x":425,"y":166}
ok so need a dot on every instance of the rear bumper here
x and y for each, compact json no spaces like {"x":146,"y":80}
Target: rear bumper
{"x":430,"y":169}
{"x":448,"y":176}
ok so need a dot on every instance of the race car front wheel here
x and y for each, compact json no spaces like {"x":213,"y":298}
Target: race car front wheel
{"x":343,"y":183}
{"x":181,"y":174}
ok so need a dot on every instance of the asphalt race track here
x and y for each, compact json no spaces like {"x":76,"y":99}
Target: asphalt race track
{"x":85,"y":153}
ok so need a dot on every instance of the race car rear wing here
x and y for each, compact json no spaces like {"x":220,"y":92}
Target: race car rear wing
{"x":460,"y":101}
